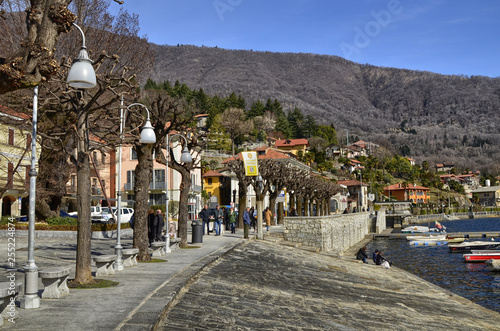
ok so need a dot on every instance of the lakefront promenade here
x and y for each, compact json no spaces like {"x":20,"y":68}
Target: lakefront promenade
{"x":229,"y":283}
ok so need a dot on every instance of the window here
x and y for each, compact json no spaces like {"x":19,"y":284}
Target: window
{"x":94,"y":156}
{"x":28,"y":140}
{"x":131,"y":177}
{"x":133,"y":154}
{"x":11,"y":137}
{"x":159,"y":176}
{"x":103,"y":158}
{"x":209,"y":180}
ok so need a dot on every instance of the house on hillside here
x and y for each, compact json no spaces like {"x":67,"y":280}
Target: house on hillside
{"x":333,"y":151}
{"x":292,"y":145}
{"x":360,"y":148}
{"x":488,"y":196}
{"x":445,"y":167}
{"x":412,"y":161}
{"x":15,"y":161}
{"x":354,"y":165}
{"x":412,"y":192}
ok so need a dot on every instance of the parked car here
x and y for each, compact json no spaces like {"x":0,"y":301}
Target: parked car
{"x":106,"y":217}
{"x":94,"y":211}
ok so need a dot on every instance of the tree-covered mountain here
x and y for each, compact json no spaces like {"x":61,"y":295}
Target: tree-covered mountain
{"x":429,"y":116}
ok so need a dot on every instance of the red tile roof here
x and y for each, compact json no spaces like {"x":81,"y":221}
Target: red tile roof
{"x":270,"y":153}
{"x":11,"y":112}
{"x":213,"y":173}
{"x":291,"y":142}
{"x":399,"y":186}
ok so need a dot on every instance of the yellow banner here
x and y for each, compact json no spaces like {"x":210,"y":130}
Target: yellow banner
{"x":250,"y":163}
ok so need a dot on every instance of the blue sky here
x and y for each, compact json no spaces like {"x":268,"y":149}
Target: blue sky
{"x":443,"y":36}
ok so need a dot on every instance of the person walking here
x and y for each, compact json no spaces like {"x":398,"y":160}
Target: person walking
{"x":253,"y":218}
{"x":218,"y":218}
{"x":232,"y":216}
{"x":268,"y":215}
{"x":159,"y":223}
{"x":151,"y":221}
{"x":204,"y":215}
{"x":246,"y":222}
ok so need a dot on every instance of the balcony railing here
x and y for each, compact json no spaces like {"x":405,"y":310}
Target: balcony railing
{"x":159,"y":186}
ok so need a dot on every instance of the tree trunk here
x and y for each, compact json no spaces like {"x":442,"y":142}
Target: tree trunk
{"x":242,"y":204}
{"x":83,"y":272}
{"x":143,"y":174}
{"x":279,"y":217}
{"x":299,"y":205}
{"x":183,"y":205}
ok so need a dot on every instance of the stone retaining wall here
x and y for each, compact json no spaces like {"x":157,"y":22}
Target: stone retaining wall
{"x":335,"y":233}
{"x":124,"y":233}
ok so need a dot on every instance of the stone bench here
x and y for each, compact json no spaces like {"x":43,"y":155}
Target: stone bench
{"x":104,"y":264}
{"x":8,"y":294}
{"x":129,"y":257}
{"x":55,"y":282}
{"x":158,"y":248}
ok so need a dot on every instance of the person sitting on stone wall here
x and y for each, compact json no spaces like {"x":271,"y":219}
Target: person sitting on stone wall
{"x":362,"y":255}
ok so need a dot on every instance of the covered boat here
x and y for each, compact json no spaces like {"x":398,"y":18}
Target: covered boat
{"x":431,"y":237}
{"x":470,"y":245}
{"x":428,"y":243}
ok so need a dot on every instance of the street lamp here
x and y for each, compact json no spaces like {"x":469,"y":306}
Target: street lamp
{"x":185,"y":158}
{"x":81,"y":75}
{"x":260,"y":231}
{"x":147,"y":137}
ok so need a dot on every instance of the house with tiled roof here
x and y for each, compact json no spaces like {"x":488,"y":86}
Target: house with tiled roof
{"x":292,"y":145}
{"x":411,"y":192}
{"x":357,"y":194}
{"x":488,"y":195}
{"x":445,"y":166}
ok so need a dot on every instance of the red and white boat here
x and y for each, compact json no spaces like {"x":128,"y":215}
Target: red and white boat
{"x":482,"y":255}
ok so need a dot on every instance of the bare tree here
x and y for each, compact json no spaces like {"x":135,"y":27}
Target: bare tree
{"x":235,"y":123}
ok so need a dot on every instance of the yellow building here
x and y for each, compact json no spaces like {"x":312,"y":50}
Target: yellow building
{"x":292,"y":145}
{"x":213,"y":184}
{"x":15,"y":161}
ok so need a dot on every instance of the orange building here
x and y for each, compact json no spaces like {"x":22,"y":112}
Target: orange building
{"x":412,"y":192}
{"x":292,"y":145}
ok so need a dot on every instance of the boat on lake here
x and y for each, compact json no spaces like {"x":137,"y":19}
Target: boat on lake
{"x":428,"y":237}
{"x":428,"y":243}
{"x":467,"y":246}
{"x":482,"y":256}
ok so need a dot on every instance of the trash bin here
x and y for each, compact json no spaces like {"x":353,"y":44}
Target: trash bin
{"x":197,"y":232}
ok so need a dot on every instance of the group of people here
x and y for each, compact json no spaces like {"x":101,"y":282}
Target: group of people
{"x":377,"y":257}
{"x":222,"y":219}
{"x":155,"y":225}
{"x":228,"y":219}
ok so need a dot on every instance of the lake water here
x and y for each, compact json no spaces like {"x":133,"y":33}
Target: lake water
{"x":435,"y":264}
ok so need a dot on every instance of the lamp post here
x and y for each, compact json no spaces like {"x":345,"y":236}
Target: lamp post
{"x":185,"y":158}
{"x":147,"y":137}
{"x":81,"y":75}
{"x":260,"y":232}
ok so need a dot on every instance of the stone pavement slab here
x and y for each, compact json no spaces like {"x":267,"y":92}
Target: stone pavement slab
{"x":267,"y":286}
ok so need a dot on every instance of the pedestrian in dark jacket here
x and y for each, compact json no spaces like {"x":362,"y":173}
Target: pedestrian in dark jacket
{"x":362,"y":255}
{"x":246,"y":222}
{"x":204,"y":215}
{"x":151,"y":221}
{"x":159,"y":223}
{"x":374,"y":256}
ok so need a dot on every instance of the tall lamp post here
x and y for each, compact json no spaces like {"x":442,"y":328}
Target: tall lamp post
{"x":147,"y":137}
{"x":185,"y":158}
{"x":81,"y":75}
{"x":260,"y":232}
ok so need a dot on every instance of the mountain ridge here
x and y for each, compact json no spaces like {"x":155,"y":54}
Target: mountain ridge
{"x":439,"y":117}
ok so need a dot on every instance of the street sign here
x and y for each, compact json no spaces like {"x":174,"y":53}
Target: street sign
{"x":371,"y":197}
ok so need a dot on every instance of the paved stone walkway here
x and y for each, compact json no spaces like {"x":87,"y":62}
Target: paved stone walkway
{"x":267,"y":286}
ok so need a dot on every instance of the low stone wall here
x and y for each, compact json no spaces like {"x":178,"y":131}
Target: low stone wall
{"x":124,"y":233}
{"x":335,"y":233}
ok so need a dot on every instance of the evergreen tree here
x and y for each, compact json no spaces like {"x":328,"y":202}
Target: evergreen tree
{"x":309,"y":127}
{"x":295,"y":119}
{"x":257,"y":109}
